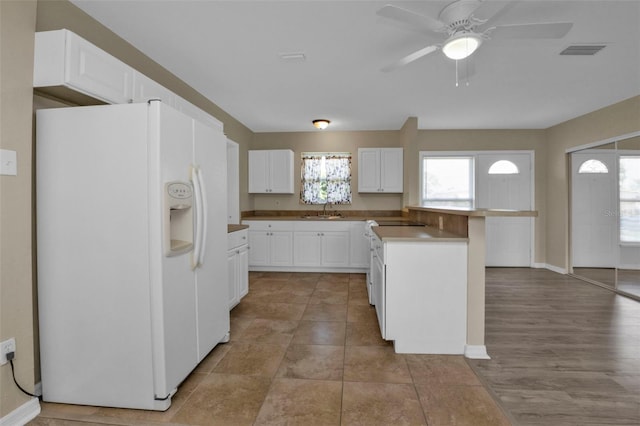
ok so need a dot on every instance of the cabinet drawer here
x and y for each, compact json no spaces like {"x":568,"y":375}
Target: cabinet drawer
{"x":321,"y":225}
{"x":237,"y":239}
{"x":267,"y":225}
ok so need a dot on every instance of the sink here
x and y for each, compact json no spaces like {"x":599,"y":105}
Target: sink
{"x":321,"y":217}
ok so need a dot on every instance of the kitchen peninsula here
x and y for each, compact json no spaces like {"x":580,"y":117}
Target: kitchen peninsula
{"x":468,"y":223}
{"x":428,"y":281}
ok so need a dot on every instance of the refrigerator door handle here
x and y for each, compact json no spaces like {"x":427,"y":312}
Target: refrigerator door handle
{"x":195,"y":257}
{"x":205,"y":212}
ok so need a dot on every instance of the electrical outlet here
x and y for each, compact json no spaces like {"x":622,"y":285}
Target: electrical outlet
{"x":7,"y":346}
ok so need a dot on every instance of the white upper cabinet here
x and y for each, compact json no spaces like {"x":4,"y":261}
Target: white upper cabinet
{"x":145,"y":89}
{"x":271,"y":171}
{"x":191,"y":110}
{"x":380,"y":170}
{"x":64,"y":59}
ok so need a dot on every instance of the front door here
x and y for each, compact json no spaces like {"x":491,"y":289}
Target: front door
{"x":505,"y":182}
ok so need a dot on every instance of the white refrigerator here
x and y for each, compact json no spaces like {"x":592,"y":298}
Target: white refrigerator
{"x":131,"y":246}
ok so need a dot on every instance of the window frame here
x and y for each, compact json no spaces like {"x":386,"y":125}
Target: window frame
{"x":470,"y":155}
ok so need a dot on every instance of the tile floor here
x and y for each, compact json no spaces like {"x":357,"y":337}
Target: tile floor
{"x":305,"y":349}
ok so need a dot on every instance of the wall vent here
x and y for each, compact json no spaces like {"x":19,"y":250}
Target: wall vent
{"x":583,"y":49}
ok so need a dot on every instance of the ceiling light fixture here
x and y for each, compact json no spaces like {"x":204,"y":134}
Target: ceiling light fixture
{"x":321,"y":124}
{"x":461,"y":45}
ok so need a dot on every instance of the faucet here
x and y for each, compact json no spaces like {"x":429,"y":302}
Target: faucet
{"x":324,"y":209}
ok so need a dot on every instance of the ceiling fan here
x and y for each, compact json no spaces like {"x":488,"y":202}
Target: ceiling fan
{"x":465,"y":25}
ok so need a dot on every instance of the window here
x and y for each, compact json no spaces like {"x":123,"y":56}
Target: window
{"x":326,"y":178}
{"x":447,"y":181}
{"x":593,"y":166}
{"x":630,"y":199}
{"x":503,"y":167}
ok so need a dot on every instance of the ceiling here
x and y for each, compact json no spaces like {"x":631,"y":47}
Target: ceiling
{"x":230,"y":52}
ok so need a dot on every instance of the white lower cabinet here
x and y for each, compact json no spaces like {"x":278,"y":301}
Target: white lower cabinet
{"x":308,"y":248}
{"x":421,"y":295}
{"x":321,"y":248}
{"x":307,"y":245}
{"x":335,"y":248}
{"x":271,"y":243}
{"x":237,"y":266}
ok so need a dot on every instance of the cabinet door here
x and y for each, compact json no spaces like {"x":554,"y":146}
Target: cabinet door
{"x":308,"y":248}
{"x":259,"y":243}
{"x":281,"y":248}
{"x":144,"y":89}
{"x":391,"y":170}
{"x":258,"y":172}
{"x":335,"y":248}
{"x":243,"y":271}
{"x":368,"y":170}
{"x":281,"y":171}
{"x":96,"y":73}
{"x":232,"y":268}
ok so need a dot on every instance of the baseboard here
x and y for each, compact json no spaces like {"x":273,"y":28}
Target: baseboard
{"x":629,"y":266}
{"x":23,"y":414}
{"x":556,"y":269}
{"x":476,"y":352}
{"x":349,"y":270}
{"x":37,"y":389}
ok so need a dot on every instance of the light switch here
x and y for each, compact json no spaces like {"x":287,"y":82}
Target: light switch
{"x":8,"y":163}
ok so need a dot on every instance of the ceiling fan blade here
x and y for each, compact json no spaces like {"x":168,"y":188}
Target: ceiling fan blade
{"x":522,"y":31}
{"x":410,"y":58}
{"x":412,"y":18}
{"x":492,"y":10}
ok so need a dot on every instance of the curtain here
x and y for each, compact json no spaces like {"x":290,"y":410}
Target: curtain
{"x":326,"y":178}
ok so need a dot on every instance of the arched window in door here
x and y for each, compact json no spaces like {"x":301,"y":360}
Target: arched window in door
{"x":503,"y":167}
{"x":593,"y":166}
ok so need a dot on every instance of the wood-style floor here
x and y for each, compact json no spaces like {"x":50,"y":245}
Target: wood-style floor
{"x":625,"y":280}
{"x":564,"y":352}
{"x":305,"y":349}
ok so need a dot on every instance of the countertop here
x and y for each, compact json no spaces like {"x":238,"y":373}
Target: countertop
{"x":415,"y":234}
{"x":462,"y":211}
{"x":341,"y":218}
{"x":385,"y":233}
{"x":234,"y":228}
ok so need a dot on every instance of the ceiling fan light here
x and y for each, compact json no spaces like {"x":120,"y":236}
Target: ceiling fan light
{"x":461,"y":46}
{"x":321,"y":124}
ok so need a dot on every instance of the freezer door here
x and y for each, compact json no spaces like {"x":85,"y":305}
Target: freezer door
{"x":93,"y":271}
{"x":173,"y":291}
{"x":210,"y":153}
